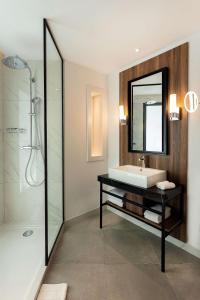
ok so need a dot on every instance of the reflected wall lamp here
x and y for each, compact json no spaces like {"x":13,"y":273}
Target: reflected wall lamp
{"x":122,"y":116}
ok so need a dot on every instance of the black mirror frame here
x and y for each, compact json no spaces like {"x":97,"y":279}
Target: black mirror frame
{"x":164,"y":113}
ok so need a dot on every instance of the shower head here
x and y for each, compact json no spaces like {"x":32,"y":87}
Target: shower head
{"x":15,"y":62}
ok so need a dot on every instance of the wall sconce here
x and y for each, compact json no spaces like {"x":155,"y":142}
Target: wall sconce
{"x":191,"y":101}
{"x":174,"y":111}
{"x":122,"y":116}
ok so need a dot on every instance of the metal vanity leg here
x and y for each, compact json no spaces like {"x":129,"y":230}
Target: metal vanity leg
{"x":163,"y":238}
{"x":101,"y":206}
{"x":181,"y":207}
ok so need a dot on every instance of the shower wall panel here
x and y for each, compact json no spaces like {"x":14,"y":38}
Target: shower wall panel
{"x":23,"y":204}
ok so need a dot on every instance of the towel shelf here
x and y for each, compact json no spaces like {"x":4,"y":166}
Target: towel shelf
{"x":153,"y":194}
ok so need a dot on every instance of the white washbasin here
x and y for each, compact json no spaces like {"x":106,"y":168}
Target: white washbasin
{"x":142,"y":177}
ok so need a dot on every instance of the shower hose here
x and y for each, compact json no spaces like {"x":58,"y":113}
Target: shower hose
{"x":34,"y":150}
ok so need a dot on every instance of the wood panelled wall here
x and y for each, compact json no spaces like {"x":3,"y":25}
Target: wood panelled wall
{"x":176,"y":161}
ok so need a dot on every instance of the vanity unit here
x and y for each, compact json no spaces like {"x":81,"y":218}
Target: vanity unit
{"x":144,"y":92}
{"x":149,"y":136}
{"x":150,"y":195}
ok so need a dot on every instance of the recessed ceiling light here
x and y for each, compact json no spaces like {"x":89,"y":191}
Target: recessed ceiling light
{"x":137,"y":49}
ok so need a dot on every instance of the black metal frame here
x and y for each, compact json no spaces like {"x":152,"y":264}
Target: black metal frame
{"x":145,"y":105}
{"x":46,"y":29}
{"x":153,"y":194}
{"x":164,"y":112}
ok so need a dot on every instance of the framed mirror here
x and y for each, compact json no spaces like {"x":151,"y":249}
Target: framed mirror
{"x":147,"y":113}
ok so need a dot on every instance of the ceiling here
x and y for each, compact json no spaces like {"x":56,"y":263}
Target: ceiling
{"x":100,"y":34}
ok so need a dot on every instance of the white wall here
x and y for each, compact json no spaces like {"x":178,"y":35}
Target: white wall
{"x":194,"y":147}
{"x":81,"y":187}
{"x":1,"y":147}
{"x":113,"y":124}
{"x":194,"y":133}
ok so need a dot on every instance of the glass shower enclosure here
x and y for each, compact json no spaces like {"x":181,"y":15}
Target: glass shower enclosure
{"x":54,"y":139}
{"x":31,"y":162}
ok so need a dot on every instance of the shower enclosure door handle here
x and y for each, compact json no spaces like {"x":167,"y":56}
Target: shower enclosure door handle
{"x":31,"y":147}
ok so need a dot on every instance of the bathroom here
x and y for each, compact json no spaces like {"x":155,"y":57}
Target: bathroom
{"x":70,"y":112}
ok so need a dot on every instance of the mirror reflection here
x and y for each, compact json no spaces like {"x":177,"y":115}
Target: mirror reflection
{"x":147,"y":101}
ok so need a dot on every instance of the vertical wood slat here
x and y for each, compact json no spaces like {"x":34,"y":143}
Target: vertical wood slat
{"x":176,"y":161}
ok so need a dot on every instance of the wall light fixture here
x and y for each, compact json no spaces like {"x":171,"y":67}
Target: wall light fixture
{"x":174,"y":111}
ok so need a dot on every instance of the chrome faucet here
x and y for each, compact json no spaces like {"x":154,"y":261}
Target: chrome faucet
{"x":142,"y":160}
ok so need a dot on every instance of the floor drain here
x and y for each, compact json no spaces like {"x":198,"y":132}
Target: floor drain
{"x":28,"y":233}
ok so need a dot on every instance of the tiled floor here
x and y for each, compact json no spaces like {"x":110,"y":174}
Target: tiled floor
{"x":120,"y":262}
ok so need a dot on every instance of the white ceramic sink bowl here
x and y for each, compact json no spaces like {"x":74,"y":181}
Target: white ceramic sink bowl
{"x":142,"y":177}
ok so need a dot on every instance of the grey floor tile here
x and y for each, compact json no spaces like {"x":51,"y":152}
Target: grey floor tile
{"x":86,"y":281}
{"x":84,"y":223}
{"x":128,"y":247}
{"x":120,"y":262}
{"x":185,"y":280}
{"x":174,"y":255}
{"x":138,"y":282}
{"x":80,"y":247}
{"x":114,"y":221}
{"x":90,"y":222}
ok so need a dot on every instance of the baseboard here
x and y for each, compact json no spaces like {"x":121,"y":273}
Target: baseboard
{"x":81,"y":215}
{"x":185,"y":246}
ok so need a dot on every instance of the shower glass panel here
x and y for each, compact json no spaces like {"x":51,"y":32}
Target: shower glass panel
{"x":22,"y":188}
{"x":54,"y":138}
{"x":31,"y":159}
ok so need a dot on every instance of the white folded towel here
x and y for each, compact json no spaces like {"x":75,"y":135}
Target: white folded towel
{"x":53,"y":292}
{"x":154,"y":217}
{"x":158,"y":207}
{"x":114,"y":200}
{"x":165,"y":185}
{"x":118,"y":192}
